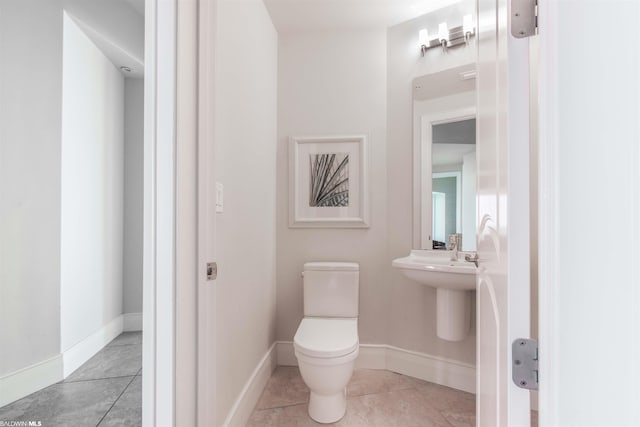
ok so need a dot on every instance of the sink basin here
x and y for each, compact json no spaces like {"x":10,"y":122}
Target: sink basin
{"x":453,"y":281}
{"x":435,"y":269}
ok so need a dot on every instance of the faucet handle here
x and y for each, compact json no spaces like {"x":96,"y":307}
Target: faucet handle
{"x":472,"y":258}
{"x":455,"y":241}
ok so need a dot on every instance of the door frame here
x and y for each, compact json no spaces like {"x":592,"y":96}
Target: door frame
{"x":206,"y":210}
{"x":158,"y":314}
{"x":175,"y":37}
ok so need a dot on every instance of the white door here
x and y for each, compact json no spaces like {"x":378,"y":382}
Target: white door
{"x":589,"y":214}
{"x":206,"y":402}
{"x":503,"y":215}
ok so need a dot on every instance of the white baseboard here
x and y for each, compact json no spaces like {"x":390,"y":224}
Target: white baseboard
{"x":447,"y":372}
{"x":43,"y":374}
{"x":285,"y":354}
{"x":77,"y":355}
{"x":132,"y":322}
{"x":372,"y":356}
{"x":22,"y":383}
{"x":243,"y":407}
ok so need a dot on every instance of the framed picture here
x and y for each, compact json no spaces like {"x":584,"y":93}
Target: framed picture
{"x":328,"y":182}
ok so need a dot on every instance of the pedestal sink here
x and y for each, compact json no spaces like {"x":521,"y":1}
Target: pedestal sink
{"x":453,"y":280}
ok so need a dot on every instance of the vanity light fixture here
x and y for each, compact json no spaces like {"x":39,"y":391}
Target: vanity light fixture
{"x":424,"y":40}
{"x":467,"y":27}
{"x":443,"y":35}
{"x":448,"y":37}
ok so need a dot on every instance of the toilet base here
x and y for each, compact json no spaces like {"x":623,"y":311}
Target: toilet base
{"x":327,"y":409}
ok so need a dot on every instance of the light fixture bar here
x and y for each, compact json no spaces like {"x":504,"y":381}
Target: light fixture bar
{"x":457,"y":36}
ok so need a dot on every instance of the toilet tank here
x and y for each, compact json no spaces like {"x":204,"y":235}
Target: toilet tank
{"x":331,"y":289}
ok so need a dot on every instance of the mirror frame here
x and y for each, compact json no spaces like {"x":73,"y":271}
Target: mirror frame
{"x":422,"y":176}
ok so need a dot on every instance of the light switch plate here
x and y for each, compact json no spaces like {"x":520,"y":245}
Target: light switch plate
{"x":219,"y":197}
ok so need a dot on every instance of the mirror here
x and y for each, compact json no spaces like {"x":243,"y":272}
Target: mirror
{"x":445,"y":158}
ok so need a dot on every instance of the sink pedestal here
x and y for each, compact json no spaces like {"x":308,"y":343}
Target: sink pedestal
{"x":453,"y":309}
{"x":453,"y":279}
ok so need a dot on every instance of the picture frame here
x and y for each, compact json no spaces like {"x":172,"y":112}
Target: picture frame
{"x":328,"y":182}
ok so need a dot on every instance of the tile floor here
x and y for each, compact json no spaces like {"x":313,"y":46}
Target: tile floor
{"x":105,"y":391}
{"x":374,"y":399}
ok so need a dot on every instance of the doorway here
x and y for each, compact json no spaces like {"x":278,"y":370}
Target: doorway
{"x":72,"y":149}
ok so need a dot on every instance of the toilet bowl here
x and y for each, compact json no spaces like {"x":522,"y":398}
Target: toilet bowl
{"x":326,"y":350}
{"x":326,"y":342}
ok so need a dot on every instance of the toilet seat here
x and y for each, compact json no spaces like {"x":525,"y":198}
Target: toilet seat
{"x":326,"y":337}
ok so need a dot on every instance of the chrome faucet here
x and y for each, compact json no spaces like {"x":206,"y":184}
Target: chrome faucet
{"x":472,"y":258}
{"x":455,"y":241}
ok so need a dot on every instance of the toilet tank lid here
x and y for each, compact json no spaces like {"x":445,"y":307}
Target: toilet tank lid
{"x":336,"y":266}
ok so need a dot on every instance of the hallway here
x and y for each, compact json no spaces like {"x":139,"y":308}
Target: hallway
{"x":105,"y":391}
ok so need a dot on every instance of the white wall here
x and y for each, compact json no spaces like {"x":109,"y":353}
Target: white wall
{"x":334,"y":83}
{"x":30,"y":111}
{"x":411,"y":306}
{"x":246,"y":106}
{"x":133,"y":179}
{"x":91,"y":188}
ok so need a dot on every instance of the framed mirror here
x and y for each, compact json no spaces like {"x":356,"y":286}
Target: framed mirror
{"x":445,"y":159}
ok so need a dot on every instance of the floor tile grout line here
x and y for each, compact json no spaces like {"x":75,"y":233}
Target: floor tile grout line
{"x":382,"y":392}
{"x":283,"y":406}
{"x":115,"y":401}
{"x":354,"y":396}
{"x":98,"y":379}
{"x":112,"y":344}
{"x":120,"y":345}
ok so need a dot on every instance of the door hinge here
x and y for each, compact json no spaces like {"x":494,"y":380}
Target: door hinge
{"x":524,"y":369}
{"x":212,"y":270}
{"x":524,"y":18}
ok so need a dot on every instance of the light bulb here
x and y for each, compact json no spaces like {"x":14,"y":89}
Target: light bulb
{"x":424,"y":37}
{"x":467,"y":25}
{"x":443,"y":32}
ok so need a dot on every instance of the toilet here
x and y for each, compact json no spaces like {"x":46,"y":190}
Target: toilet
{"x":326,"y":342}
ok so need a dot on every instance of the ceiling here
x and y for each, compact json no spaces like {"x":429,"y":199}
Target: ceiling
{"x":317,"y":15}
{"x":138,"y":5}
{"x":115,"y":27}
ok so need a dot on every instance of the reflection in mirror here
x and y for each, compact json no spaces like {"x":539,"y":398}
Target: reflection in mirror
{"x":453,"y":159}
{"x":444,"y":159}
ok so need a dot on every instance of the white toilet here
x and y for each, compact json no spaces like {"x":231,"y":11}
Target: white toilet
{"x":326,"y":342}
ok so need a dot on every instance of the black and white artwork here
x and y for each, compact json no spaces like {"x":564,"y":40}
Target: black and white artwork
{"x":329,"y":180}
{"x":328,"y":184}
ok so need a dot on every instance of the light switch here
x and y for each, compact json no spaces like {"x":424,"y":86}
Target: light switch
{"x":219,"y":197}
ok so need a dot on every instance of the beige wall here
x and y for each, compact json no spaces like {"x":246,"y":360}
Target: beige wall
{"x":356,"y":82}
{"x":334,"y":83}
{"x":246,"y":164}
{"x":411,"y":306}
